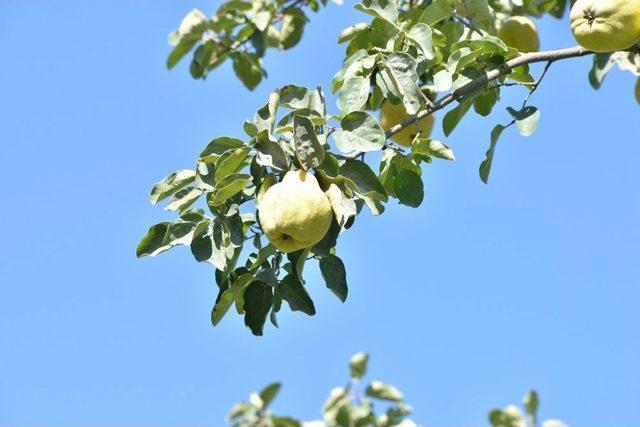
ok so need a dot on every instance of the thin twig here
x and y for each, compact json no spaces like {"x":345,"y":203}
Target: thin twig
{"x":537,"y":83}
{"x":468,"y":22}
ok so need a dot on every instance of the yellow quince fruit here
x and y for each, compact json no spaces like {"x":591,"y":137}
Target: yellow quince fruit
{"x":295,"y":213}
{"x":606,"y":25}
{"x":521,"y":33}
{"x":392,"y":114}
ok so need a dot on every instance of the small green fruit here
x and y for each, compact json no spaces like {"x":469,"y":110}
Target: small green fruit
{"x":392,"y":114}
{"x":521,"y":33}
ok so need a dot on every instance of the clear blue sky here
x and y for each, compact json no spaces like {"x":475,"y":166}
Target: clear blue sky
{"x":465,"y":303}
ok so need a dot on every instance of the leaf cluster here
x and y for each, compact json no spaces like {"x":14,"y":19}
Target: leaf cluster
{"x":241,"y":31}
{"x":377,"y":404}
{"x":345,"y":406}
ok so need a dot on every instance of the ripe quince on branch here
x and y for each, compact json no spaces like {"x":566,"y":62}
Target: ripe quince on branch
{"x":606,"y":25}
{"x":295,"y":213}
{"x":521,"y":33}
{"x":393,"y":114}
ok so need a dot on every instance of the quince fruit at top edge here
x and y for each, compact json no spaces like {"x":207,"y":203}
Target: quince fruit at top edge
{"x":295,"y":213}
{"x":606,"y":25}
{"x":393,"y":114}
{"x":521,"y":33}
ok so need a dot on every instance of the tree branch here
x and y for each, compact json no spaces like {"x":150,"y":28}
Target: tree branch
{"x":489,"y":76}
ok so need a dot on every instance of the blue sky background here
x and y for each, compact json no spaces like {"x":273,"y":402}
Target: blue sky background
{"x":465,"y":303}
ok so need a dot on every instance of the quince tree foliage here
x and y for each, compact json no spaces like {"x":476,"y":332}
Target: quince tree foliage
{"x":241,"y":31}
{"x":377,"y":404}
{"x":429,"y":59}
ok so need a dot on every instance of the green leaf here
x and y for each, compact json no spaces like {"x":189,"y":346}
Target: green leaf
{"x":182,"y":48}
{"x":330,"y":166}
{"x":380,"y":390}
{"x":362,"y":180}
{"x":270,"y":153}
{"x":479,"y":11}
{"x":437,"y":11}
{"x":383,"y":9}
{"x":602,"y":64}
{"x":432,"y":148}
{"x":485,"y":102}
{"x":485,"y":166}
{"x":453,"y":117}
{"x":309,"y":151}
{"x":286,"y":122}
{"x":354,"y":93}
{"x":526,"y":119}
{"x":248,"y":69}
{"x":202,"y":243}
{"x":171,"y":184}
{"x":267,"y":183}
{"x":229,"y":162}
{"x":298,"y":260}
{"x":163,"y":236}
{"x":219,"y":249}
{"x":354,"y":64}
{"x":409,"y":188}
{"x":202,"y":59}
{"x":153,"y":242}
{"x":399,"y":79}
{"x":292,"y":27}
{"x":298,"y":97}
{"x":179,"y":233}
{"x":388,"y":170}
{"x":507,"y":417}
{"x":239,"y":410}
{"x":442,"y":80}
{"x":487,"y":44}
{"x":260,"y":19}
{"x":193,"y":215}
{"x":193,"y":21}
{"x":269,"y":393}
{"x":328,"y":242}
{"x":229,"y":296}
{"x":219,"y":145}
{"x":349,"y":32}
{"x":358,"y":365}
{"x":335,"y":405}
{"x":258,"y":298}
{"x":531,"y":403}
{"x":397,"y":413}
{"x":183,"y":199}
{"x":229,"y":187}
{"x":265,"y":117}
{"x":188,"y":34}
{"x":360,"y":132}
{"x":263,"y":254}
{"x":233,"y":226}
{"x":335,"y":276}
{"x":205,"y":173}
{"x":285,"y":422}
{"x":296,"y":295}
{"x":343,"y":208}
{"x":422,"y":36}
